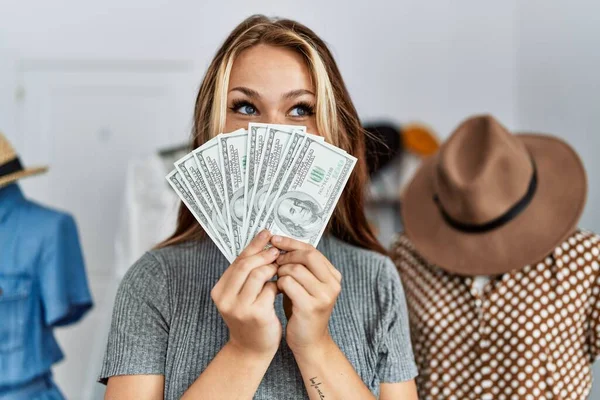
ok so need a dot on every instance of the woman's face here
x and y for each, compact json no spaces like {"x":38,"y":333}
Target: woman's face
{"x":270,"y":84}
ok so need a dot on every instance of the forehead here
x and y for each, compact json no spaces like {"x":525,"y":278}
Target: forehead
{"x":268,"y":69}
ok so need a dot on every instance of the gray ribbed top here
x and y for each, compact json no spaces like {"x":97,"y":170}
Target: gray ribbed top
{"x":165,"y":322}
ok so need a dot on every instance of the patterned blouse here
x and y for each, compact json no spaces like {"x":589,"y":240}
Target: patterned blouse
{"x":531,"y":333}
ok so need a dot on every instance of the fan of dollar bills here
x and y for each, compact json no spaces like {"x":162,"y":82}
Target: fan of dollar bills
{"x":277,"y":177}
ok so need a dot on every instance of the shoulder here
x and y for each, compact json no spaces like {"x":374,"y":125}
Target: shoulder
{"x":405,"y":255}
{"x":416,"y":272}
{"x":192,"y":256}
{"x":352,"y":260}
{"x":402,"y":247}
{"x":147,"y":271}
{"x":366,"y":273}
{"x":581,"y":241}
{"x":173,"y":255}
{"x":50,"y":222}
{"x":582,"y":248}
{"x":178,"y":266}
{"x":338,"y":250}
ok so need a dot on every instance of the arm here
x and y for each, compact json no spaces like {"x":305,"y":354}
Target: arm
{"x":230,"y":365}
{"x":327,"y":374}
{"x":401,"y":390}
{"x":135,"y":355}
{"x":245,"y":299}
{"x":396,"y":367}
{"x":313,"y":285}
{"x":62,"y":279}
{"x":123,"y":387}
{"x":233,"y":374}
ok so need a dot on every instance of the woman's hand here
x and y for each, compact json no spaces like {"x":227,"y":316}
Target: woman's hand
{"x":313,"y":285}
{"x":245,"y":298}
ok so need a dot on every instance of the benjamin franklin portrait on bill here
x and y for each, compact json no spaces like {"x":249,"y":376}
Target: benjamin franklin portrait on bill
{"x":299,"y":215}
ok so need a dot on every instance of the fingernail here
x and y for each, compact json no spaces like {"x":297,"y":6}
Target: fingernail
{"x":263,"y":234}
{"x":274,"y":251}
{"x":276,"y":239}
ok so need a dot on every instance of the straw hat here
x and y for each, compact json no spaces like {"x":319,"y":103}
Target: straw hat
{"x":489,"y":201}
{"x":11,"y":168}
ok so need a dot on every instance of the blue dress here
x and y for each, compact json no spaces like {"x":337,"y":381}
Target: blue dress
{"x":42,"y":285}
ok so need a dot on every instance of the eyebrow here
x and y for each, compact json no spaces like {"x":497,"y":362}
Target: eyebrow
{"x":254,"y":94}
{"x":296,"y":93}
{"x":247,"y":91}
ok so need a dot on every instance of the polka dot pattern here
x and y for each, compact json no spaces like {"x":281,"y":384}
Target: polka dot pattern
{"x":531,"y":333}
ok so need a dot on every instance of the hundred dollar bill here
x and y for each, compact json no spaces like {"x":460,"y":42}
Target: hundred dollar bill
{"x":174,"y":179}
{"x":208,"y":160}
{"x":256,"y":139}
{"x":268,"y":195}
{"x":256,"y":136}
{"x":317,"y":137}
{"x":232,"y":147}
{"x":190,"y":175}
{"x":310,"y":191}
{"x":278,"y":138}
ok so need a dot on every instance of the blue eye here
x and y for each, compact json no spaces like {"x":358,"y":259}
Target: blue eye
{"x":302,"y":110}
{"x":247,"y":109}
{"x":244,"y":108}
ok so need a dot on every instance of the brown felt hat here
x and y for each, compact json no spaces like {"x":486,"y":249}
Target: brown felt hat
{"x":489,"y":201}
{"x":11,"y":168}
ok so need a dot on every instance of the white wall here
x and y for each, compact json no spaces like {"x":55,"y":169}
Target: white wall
{"x":402,"y":59}
{"x":558,"y":89}
{"x":558,"y":59}
{"x":8,"y":93}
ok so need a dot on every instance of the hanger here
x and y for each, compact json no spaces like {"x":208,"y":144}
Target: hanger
{"x":172,"y":150}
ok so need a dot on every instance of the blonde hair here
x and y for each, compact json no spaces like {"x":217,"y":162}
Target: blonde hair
{"x":256,"y":34}
{"x":336,"y":118}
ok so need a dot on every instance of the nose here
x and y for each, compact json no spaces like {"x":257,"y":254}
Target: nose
{"x":273,"y":117}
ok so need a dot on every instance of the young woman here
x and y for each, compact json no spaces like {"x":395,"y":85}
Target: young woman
{"x":188,"y":325}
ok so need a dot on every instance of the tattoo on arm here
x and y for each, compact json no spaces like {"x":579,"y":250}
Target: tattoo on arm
{"x":313,"y":383}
